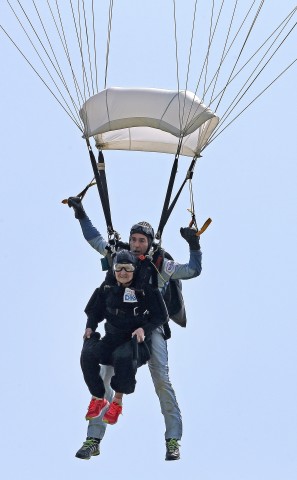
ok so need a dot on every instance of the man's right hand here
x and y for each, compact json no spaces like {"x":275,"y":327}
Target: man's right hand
{"x":75,"y":203}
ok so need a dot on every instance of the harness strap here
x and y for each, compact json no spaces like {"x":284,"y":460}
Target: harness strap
{"x":122,"y":313}
{"x":158,"y":262}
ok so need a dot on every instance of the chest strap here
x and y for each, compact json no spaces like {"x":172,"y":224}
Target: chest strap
{"x":122,"y":313}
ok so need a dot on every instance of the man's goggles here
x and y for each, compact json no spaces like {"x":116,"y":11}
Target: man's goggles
{"x":128,"y":267}
{"x":144,"y":229}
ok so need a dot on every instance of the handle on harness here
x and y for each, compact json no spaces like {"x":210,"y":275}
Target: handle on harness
{"x":203,"y":228}
{"x":82,"y":193}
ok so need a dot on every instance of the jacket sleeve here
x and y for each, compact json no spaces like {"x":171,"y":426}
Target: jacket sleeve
{"x":95,"y":309}
{"x":179,"y":271}
{"x":93,"y":237}
{"x":157,"y":308}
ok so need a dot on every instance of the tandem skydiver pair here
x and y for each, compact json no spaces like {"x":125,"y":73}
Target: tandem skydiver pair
{"x":126,"y":279}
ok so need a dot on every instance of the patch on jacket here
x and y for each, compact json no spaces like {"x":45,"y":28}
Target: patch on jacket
{"x":169,"y":267}
{"x":129,"y":296}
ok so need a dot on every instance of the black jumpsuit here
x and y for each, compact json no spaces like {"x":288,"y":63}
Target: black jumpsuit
{"x":125,"y":310}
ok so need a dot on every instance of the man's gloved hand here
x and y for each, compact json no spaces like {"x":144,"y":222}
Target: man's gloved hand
{"x":190,"y":236}
{"x":75,"y":203}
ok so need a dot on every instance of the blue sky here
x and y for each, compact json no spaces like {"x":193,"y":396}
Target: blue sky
{"x":234,"y":366}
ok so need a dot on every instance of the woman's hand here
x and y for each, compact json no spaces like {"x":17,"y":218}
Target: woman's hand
{"x":139,"y":332}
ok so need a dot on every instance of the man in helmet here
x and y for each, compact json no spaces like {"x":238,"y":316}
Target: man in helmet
{"x":140,"y":241}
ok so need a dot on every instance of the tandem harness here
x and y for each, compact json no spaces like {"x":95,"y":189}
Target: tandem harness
{"x":148,"y":271}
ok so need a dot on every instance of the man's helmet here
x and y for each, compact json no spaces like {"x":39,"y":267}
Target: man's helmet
{"x":144,"y":228}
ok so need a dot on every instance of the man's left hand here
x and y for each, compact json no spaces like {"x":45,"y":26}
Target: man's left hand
{"x":189,"y":234}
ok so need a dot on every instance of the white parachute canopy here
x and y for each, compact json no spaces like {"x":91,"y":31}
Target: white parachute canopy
{"x":148,"y":119}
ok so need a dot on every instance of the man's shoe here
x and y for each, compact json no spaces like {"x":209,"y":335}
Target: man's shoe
{"x":90,"y":448}
{"x":172,"y":449}
{"x":95,"y":408}
{"x":112,"y":414}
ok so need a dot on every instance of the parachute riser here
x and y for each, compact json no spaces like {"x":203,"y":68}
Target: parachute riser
{"x":167,"y":209}
{"x":193,"y":222}
{"x":82,"y":193}
{"x":99,"y":174}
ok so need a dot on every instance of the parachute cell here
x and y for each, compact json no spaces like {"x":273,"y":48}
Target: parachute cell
{"x":148,"y":119}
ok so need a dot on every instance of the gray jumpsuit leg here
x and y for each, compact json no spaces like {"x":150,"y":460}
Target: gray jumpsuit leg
{"x":158,"y":365}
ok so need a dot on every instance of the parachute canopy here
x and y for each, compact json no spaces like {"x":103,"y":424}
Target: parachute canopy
{"x":148,"y":119}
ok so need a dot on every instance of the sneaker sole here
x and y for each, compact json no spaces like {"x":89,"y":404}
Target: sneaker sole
{"x":87,"y":458}
{"x":109,"y":423}
{"x":91,"y":418}
{"x":96,"y":416}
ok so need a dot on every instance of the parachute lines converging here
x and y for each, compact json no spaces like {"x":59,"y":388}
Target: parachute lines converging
{"x":72,"y":73}
{"x":230,"y":45}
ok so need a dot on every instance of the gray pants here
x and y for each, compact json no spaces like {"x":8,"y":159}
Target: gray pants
{"x":158,"y":365}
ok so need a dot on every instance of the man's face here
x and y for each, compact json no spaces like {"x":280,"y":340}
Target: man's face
{"x":138,"y":244}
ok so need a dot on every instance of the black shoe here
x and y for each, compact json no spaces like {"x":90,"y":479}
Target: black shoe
{"x":172,"y":449}
{"x":90,"y":448}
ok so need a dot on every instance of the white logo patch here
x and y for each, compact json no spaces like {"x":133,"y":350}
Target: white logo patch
{"x":170,"y":267}
{"x":129,"y":296}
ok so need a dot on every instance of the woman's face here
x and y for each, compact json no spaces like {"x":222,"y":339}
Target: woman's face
{"x":123,"y":277}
